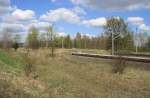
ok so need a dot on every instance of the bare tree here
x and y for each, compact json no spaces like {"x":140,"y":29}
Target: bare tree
{"x":51,"y":39}
{"x":6,"y":39}
{"x":32,"y":38}
{"x":16,"y":41}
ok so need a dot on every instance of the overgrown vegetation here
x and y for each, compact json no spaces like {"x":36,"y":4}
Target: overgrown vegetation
{"x":67,"y":76}
{"x":7,"y":90}
{"x":28,"y":67}
{"x":119,"y":65}
{"x":34,"y":73}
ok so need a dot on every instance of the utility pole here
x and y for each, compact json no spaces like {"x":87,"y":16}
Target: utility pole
{"x":112,"y":42}
{"x":62,"y":42}
{"x":136,"y":40}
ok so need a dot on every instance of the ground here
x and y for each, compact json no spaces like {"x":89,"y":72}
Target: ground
{"x":67,"y":76}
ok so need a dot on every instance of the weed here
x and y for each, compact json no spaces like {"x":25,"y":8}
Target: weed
{"x":28,"y":68}
{"x":119,"y":65}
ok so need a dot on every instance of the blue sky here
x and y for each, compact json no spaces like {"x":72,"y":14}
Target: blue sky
{"x":71,"y":16}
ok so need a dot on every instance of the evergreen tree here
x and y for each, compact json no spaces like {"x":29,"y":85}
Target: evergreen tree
{"x":120,"y":30}
{"x":16,"y":41}
{"x":67,"y":42}
{"x":102,"y":42}
{"x":78,"y":40}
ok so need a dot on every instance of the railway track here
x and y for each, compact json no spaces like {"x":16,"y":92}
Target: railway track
{"x":135,"y":58}
{"x":133,"y":54}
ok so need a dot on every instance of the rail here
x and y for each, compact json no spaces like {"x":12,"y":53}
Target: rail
{"x":127,"y":58}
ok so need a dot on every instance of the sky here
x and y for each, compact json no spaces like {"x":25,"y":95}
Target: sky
{"x":72,"y":16}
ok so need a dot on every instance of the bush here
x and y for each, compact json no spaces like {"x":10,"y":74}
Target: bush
{"x":28,"y":67}
{"x":15,"y":46}
{"x":119,"y":65}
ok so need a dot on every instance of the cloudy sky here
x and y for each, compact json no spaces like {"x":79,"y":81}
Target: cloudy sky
{"x":71,"y":16}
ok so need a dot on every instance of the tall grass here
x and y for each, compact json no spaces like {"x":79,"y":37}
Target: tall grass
{"x":67,"y":76}
{"x":119,"y":65}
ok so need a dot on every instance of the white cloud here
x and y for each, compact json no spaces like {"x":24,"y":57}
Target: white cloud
{"x":79,"y":10}
{"x":88,"y":35}
{"x":4,"y":6}
{"x":61,"y":14}
{"x":44,"y":24}
{"x":61,"y":34}
{"x":135,"y":20}
{"x":13,"y":27}
{"x":139,"y":21}
{"x":17,"y":21}
{"x":19,"y":14}
{"x":40,"y":25}
{"x":144,"y":27}
{"x":53,"y":0}
{"x":95,"y":22}
{"x":114,"y":4}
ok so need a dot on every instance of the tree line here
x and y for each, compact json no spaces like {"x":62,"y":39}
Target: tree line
{"x":124,"y":38}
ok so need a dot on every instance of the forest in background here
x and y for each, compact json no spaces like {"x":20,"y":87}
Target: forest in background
{"x":125,"y":38}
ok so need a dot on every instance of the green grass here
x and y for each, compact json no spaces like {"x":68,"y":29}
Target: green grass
{"x":11,"y":60}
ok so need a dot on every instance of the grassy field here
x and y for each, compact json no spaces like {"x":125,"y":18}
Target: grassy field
{"x":67,"y":76}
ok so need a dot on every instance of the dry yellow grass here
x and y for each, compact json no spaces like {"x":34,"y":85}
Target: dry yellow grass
{"x":67,"y":76}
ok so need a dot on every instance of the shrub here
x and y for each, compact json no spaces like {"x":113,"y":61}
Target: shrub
{"x":119,"y":65}
{"x":15,"y":45}
{"x":28,"y":67}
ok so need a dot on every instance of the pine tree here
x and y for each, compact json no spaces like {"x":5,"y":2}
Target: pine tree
{"x":68,"y":42}
{"x":78,"y":40}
